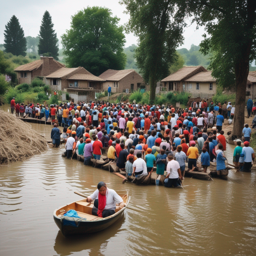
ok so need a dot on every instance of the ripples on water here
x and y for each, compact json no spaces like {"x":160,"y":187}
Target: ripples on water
{"x":204,"y":218}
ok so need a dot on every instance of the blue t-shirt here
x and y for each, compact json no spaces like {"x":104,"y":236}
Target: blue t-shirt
{"x":247,"y":151}
{"x":249,"y":103}
{"x":185,"y":121}
{"x":177,"y":141}
{"x":247,"y":132}
{"x":205,"y":159}
{"x":151,"y":141}
{"x":150,"y":158}
{"x":220,"y":120}
{"x":142,"y":123}
{"x":216,"y":108}
{"x":190,"y":124}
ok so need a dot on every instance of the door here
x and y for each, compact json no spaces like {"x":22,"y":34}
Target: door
{"x":132,"y":87}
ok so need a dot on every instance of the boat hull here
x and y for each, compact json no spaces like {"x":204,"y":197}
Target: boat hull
{"x":69,"y":228}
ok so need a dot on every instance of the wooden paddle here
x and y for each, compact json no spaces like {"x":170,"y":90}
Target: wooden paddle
{"x":80,"y":194}
{"x":121,"y":176}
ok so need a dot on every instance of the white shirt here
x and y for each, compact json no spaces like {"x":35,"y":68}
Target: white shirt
{"x":69,"y":144}
{"x":112,"y":198}
{"x":82,"y":113}
{"x":140,"y":165}
{"x":173,"y":121}
{"x":200,"y":121}
{"x":172,"y":168}
{"x":128,"y":141}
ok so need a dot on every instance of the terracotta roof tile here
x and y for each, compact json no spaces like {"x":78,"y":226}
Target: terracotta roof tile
{"x":115,"y":75}
{"x":183,"y":73}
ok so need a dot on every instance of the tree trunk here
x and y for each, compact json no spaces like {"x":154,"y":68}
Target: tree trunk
{"x":241,"y":73}
{"x":152,"y":84}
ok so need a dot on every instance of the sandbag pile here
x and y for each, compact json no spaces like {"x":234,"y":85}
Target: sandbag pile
{"x":18,"y":140}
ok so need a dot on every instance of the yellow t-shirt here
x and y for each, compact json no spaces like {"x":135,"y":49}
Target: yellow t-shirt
{"x":65,"y":113}
{"x":111,"y":152}
{"x":192,"y":153}
{"x":130,"y":126}
{"x":115,"y":124}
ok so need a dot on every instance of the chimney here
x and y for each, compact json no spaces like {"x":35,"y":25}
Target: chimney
{"x":46,"y":65}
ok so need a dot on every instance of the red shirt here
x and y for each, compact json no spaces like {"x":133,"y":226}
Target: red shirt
{"x":184,"y":148}
{"x":97,"y":146}
{"x":79,"y":119}
{"x":222,"y":140}
{"x":13,"y":103}
{"x":102,"y":125}
{"x":194,"y":121}
{"x":118,"y":149}
{"x":53,"y":111}
{"x":17,"y":107}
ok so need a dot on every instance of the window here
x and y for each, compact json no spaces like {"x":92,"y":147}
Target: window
{"x":170,"y":86}
{"x":90,"y":84}
{"x":138,"y":85}
{"x":197,"y":86}
{"x":115,"y":84}
{"x":54,"y":82}
{"x":76,"y":84}
{"x":210,"y":87}
{"x":21,"y":74}
{"x":25,"y":74}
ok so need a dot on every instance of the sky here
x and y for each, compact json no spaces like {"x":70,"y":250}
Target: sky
{"x":30,"y":13}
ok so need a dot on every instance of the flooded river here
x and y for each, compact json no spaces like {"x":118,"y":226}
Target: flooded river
{"x":205,"y":218}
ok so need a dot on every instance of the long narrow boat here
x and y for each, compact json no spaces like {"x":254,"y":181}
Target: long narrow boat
{"x":87,"y":223}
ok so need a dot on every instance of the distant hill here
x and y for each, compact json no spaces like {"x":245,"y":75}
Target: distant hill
{"x":130,"y":59}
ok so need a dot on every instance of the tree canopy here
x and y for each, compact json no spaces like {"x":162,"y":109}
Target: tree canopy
{"x":95,"y":41}
{"x":14,"y":40}
{"x":32,"y":44}
{"x":160,"y":32}
{"x":48,"y":41}
{"x":178,"y":64}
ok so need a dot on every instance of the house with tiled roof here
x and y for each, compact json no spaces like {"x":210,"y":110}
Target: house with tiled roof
{"x":80,"y":84}
{"x":38,"y":68}
{"x":251,"y":84}
{"x":127,"y":80}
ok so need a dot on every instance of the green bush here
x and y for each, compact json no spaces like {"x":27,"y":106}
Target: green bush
{"x":37,"y":82}
{"x":145,"y":98}
{"x":30,"y":98}
{"x":106,"y":93}
{"x":67,"y":96}
{"x":224,"y":98}
{"x":19,"y":98}
{"x":37,"y":89}
{"x":11,"y":92}
{"x":3,"y":85}
{"x":53,"y":99}
{"x":119,"y":97}
{"x":42,"y":97}
{"x":47,"y":89}
{"x":23,"y":87}
{"x":137,"y":95}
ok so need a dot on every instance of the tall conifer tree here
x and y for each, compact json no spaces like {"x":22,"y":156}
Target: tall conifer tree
{"x":14,"y":40}
{"x":48,"y":41}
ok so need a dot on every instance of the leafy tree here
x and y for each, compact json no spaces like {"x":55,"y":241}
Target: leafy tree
{"x":6,"y":67}
{"x":14,"y":40}
{"x":32,"y":44}
{"x":232,"y":37}
{"x":3,"y":85}
{"x":130,"y":57}
{"x":48,"y":41}
{"x":193,"y":60}
{"x":160,"y":32}
{"x":178,"y":64}
{"x":95,"y":41}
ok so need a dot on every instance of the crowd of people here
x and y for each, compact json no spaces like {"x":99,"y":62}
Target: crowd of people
{"x":141,"y":137}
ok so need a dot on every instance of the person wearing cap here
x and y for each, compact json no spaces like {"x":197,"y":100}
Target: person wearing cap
{"x":249,"y":156}
{"x":69,"y":145}
{"x":88,"y":152}
{"x":173,"y":174}
{"x":150,"y":160}
{"x":192,"y":156}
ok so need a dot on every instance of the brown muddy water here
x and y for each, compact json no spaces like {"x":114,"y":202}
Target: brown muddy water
{"x":205,"y":218}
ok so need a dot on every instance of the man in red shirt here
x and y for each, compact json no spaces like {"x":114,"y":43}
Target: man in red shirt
{"x":222,"y":140}
{"x":17,"y":109}
{"x":12,"y":105}
{"x":118,"y":148}
{"x":147,"y":124}
{"x":96,"y":147}
{"x":53,"y":113}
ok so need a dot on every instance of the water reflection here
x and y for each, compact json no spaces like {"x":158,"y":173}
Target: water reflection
{"x":92,"y":244}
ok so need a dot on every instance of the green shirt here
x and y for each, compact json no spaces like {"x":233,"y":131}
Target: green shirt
{"x":81,"y":148}
{"x":237,"y":150}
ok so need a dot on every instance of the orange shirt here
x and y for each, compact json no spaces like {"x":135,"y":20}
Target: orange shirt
{"x":222,"y":140}
{"x":65,"y":113}
{"x":147,"y":124}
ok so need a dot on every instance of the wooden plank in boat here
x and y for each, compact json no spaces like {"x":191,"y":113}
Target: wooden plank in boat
{"x":88,"y":216}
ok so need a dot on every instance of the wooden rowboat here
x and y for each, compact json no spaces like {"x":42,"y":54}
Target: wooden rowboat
{"x":88,"y":223}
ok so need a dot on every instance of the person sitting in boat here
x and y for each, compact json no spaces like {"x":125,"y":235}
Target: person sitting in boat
{"x":105,"y":200}
{"x":220,"y":159}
